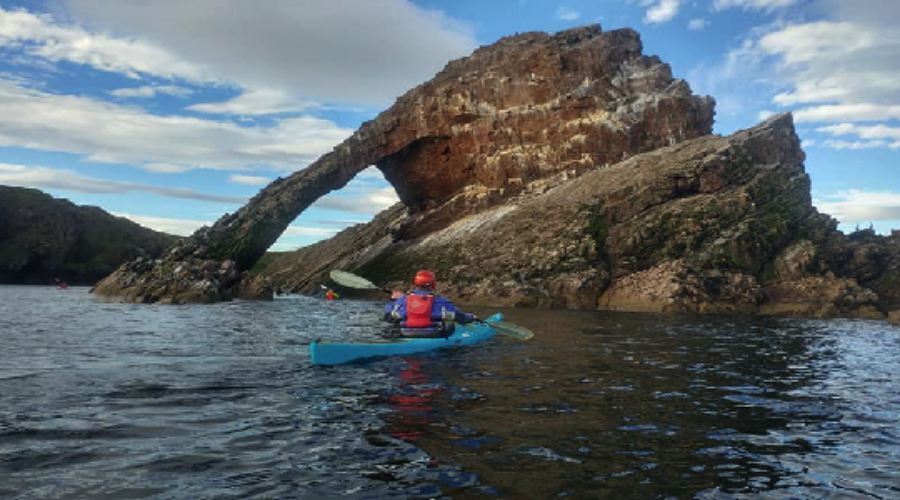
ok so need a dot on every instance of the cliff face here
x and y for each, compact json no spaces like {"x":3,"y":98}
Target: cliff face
{"x":527,"y":111}
{"x":530,"y":108}
{"x":711,"y":225}
{"x":42,"y":238}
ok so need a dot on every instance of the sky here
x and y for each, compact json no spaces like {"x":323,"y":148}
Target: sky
{"x":173,"y":113}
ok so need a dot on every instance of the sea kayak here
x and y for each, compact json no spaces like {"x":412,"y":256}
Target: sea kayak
{"x":324,"y":352}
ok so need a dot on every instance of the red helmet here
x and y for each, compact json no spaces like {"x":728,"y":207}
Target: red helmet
{"x":425,"y":278}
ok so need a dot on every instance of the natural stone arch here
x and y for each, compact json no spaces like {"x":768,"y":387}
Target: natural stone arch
{"x":528,"y":108}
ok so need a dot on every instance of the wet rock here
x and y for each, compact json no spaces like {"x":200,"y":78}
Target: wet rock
{"x":182,"y":282}
{"x":821,"y":296}
{"x":794,"y":261}
{"x":676,"y":287}
{"x":894,"y":317}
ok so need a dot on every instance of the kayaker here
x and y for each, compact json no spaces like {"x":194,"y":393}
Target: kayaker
{"x":330,"y":295}
{"x":422,"y":313}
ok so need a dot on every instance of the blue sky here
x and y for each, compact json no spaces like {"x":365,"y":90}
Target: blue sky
{"x":174,"y":113}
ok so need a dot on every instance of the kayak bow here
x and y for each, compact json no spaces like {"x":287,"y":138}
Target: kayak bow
{"x":324,"y":352}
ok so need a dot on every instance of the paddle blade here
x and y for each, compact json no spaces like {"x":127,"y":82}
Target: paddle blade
{"x":512,"y":330}
{"x":351,"y":280}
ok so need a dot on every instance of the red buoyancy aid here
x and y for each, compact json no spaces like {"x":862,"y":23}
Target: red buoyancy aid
{"x":418,"y":311}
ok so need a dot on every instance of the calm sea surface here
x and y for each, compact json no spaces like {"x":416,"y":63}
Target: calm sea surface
{"x":105,"y":400}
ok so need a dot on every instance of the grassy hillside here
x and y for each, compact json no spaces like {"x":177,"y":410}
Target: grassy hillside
{"x":42,"y":238}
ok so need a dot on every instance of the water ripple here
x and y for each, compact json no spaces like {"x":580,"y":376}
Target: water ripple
{"x":105,"y":400}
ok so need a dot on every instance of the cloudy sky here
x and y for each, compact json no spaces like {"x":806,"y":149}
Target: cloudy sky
{"x":174,"y":113}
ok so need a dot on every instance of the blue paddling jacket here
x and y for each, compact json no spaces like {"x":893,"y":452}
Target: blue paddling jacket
{"x":442,"y":312}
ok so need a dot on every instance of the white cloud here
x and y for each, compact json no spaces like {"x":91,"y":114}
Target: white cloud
{"x":818,"y":41}
{"x":844,"y":68}
{"x":806,"y":92}
{"x":179,"y":227}
{"x":250,"y":180}
{"x":257,"y":102}
{"x":331,"y":51}
{"x":863,"y":131}
{"x":342,"y":223}
{"x":854,"y":145}
{"x":40,"y":36}
{"x":661,"y":11}
{"x":112,"y":133}
{"x":841,"y":68}
{"x":855,"y":112}
{"x":767,"y":5}
{"x":567,"y":14}
{"x":165,"y":168}
{"x":149,"y":91}
{"x":856,"y":206}
{"x":67,"y":180}
{"x":371,"y":172}
{"x":360,"y":200}
{"x":697,"y":24}
{"x":309,"y":231}
{"x":765,"y":114}
{"x":186,"y":227}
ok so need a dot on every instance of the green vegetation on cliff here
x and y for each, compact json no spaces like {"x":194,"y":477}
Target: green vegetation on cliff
{"x":42,"y":238}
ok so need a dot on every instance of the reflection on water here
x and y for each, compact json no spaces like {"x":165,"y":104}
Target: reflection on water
{"x":115,"y":400}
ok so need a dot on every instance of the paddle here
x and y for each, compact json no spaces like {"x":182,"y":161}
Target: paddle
{"x":351,"y":280}
{"x":510,"y":329}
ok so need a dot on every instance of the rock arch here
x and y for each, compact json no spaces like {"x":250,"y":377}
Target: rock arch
{"x":513,"y":114}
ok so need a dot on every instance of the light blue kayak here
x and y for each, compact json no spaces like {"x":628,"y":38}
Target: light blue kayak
{"x":334,"y":353}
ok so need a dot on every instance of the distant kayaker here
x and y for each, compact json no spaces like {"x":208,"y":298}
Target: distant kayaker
{"x":330,"y":295}
{"x":421,"y":313}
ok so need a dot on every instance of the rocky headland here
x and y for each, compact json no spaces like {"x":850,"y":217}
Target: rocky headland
{"x":711,"y":225}
{"x":564,"y":170}
{"x":43,"y":238}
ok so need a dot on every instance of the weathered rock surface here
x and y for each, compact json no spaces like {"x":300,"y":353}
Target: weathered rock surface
{"x":42,"y":238}
{"x":711,"y":225}
{"x":561,"y":170}
{"x":894,"y":317}
{"x":527,"y":110}
{"x":186,"y":281}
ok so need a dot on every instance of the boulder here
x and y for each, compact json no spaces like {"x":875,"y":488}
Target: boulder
{"x":894,"y":317}
{"x":821,"y":296}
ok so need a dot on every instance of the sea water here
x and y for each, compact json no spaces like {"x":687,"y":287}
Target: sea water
{"x":102,"y":400}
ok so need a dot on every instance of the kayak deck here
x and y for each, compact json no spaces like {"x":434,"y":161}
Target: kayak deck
{"x":334,"y":353}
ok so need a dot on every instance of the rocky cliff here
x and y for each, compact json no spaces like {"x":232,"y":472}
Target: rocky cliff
{"x":42,"y":238}
{"x":513,"y":117}
{"x":710,"y":225}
